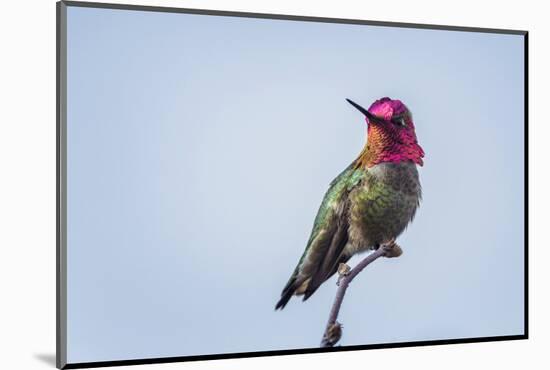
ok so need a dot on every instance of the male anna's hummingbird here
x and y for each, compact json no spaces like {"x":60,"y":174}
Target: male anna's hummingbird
{"x":369,"y":204}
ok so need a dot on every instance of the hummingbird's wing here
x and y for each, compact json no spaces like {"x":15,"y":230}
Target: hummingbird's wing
{"x":328,"y":239}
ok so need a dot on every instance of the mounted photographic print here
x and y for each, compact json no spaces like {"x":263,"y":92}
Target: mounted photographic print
{"x":236,"y":184}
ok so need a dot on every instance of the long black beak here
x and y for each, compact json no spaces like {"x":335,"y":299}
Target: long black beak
{"x":370,"y":116}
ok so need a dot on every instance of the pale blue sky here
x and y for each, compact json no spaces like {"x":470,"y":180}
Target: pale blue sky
{"x":199,"y":149}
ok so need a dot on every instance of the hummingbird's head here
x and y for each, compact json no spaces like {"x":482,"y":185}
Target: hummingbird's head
{"x":391,"y":133}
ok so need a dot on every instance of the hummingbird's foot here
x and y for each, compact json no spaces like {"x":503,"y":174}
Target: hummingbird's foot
{"x":392,"y":249}
{"x":332,"y":335}
{"x":343,"y":270}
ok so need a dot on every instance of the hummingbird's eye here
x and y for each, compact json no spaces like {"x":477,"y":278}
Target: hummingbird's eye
{"x":399,"y":120}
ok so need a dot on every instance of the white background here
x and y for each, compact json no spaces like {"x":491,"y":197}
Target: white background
{"x":27,"y":189}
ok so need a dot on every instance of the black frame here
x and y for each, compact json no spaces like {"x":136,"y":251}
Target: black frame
{"x":61,"y":161}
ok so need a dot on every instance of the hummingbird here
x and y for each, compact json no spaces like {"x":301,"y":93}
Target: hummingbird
{"x":369,"y":204}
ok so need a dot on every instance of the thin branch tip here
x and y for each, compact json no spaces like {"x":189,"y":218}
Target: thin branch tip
{"x":333,"y":329}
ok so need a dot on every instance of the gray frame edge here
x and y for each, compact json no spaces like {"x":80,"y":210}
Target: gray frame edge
{"x":287,"y":17}
{"x":61,"y":185}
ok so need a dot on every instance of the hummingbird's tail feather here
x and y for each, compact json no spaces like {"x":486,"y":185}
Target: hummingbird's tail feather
{"x":322,"y":256}
{"x":315,"y":284}
{"x":289,"y":290}
{"x":305,"y":286}
{"x":285,"y":297}
{"x":296,"y":285}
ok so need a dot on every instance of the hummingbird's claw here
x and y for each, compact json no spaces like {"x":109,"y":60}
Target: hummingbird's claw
{"x":343,"y":270}
{"x":392,"y":249}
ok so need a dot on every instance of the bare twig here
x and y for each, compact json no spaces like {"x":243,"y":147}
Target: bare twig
{"x":333,"y":330}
